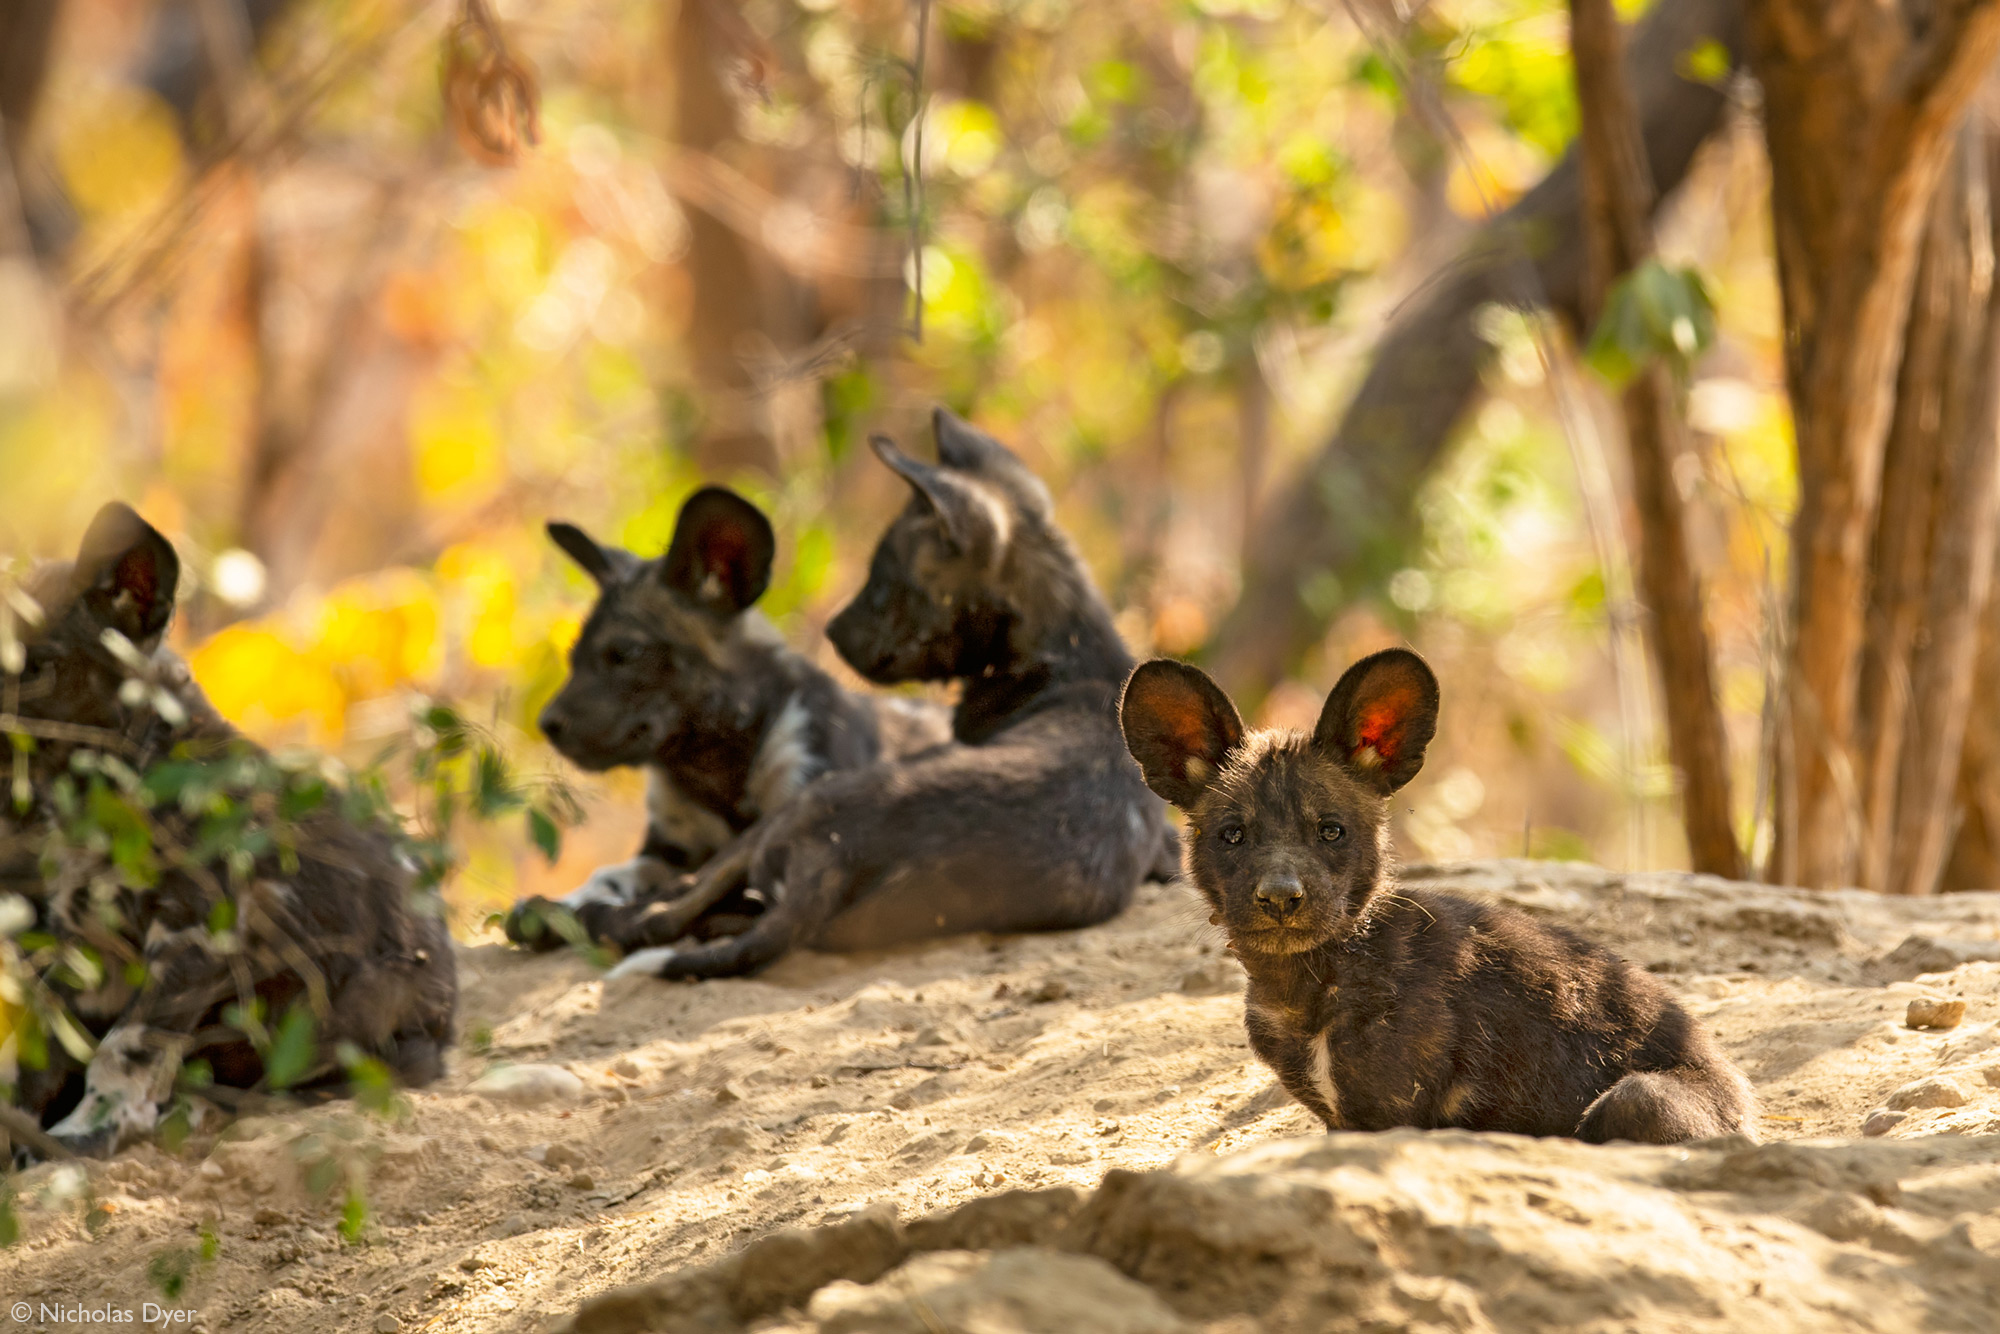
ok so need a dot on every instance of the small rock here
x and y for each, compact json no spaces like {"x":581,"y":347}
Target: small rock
{"x":625,"y":1068}
{"x":729,"y":1093}
{"x":1881,"y":1121}
{"x":475,"y":1262}
{"x":211,"y":1169}
{"x":268,"y":1217}
{"x":819,"y":1081}
{"x":1929,"y":1012}
{"x":387,"y":1324}
{"x":561,"y":1157}
{"x":1927,"y":954}
{"x":1992,"y":1074}
{"x":488,"y":1143}
{"x":527,"y":1085}
{"x":1937,"y":1091}
{"x":514,"y":1226}
{"x":930,"y":1037}
{"x":1052,"y":990}
{"x":583,"y":1181}
{"x":1104,"y":1104}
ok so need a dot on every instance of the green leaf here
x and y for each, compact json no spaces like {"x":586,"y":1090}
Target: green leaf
{"x":292,"y":1050}
{"x":546,"y":833}
{"x":493,"y":789}
{"x":353,"y":1216}
{"x":222,"y":916}
{"x":1652,"y":314}
{"x":1705,"y":62}
{"x":169,"y":1271}
{"x":10,"y":1222}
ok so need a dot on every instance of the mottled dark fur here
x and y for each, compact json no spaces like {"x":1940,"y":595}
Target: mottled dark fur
{"x":1035,"y":819}
{"x":346,"y":915}
{"x":675,"y":672}
{"x":1379,"y":1007}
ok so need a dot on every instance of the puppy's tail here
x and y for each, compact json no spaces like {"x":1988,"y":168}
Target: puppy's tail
{"x":1671,"y":1107}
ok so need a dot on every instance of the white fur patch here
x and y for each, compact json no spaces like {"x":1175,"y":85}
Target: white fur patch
{"x":128,"y":1078}
{"x":618,"y":884}
{"x":1322,"y":1076}
{"x":642,"y":963}
{"x":784,"y":762}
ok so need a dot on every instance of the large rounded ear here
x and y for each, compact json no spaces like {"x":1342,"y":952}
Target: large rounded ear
{"x":604,"y":564}
{"x":1179,"y":726}
{"x":722,"y":551}
{"x":974,"y":519}
{"x":1380,"y":717}
{"x":964,"y":446}
{"x":126,"y":573}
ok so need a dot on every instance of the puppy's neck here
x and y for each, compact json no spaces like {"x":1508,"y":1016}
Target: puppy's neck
{"x":1062,"y":641}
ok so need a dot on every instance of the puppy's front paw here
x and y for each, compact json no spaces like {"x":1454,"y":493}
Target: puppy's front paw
{"x":643,"y":963}
{"x":535,"y":924}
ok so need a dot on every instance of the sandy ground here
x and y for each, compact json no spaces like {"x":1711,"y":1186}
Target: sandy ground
{"x":703,"y":1117}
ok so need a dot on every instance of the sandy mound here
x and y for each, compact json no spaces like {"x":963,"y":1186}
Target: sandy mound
{"x":592,"y":1136}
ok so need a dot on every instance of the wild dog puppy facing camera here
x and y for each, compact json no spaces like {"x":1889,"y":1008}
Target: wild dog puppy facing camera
{"x":324,"y":920}
{"x":1380,"y":1007}
{"x":675,"y":672}
{"x":1033,"y":818}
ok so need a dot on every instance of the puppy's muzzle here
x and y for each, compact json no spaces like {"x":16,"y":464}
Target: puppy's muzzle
{"x":1279,"y":895}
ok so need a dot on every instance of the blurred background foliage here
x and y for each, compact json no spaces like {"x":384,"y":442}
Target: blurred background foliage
{"x":351,"y":355}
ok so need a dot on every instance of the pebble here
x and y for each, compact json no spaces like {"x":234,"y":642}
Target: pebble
{"x":583,"y":1181}
{"x":1937,"y":1091}
{"x":387,"y":1324}
{"x":528,"y":1085}
{"x":1992,"y":1074}
{"x":1929,"y":1012}
{"x":1052,"y":990}
{"x":625,"y":1068}
{"x":729,"y":1093}
{"x":1881,"y":1121}
{"x":561,"y":1157}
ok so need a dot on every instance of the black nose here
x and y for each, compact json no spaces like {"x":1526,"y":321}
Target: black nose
{"x":1280,"y":895}
{"x":551,"y":724}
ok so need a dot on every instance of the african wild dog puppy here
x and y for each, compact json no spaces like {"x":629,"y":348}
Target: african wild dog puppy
{"x":340,"y":929}
{"x":1381,"y":1007}
{"x":675,"y":672}
{"x":1034,"y":818}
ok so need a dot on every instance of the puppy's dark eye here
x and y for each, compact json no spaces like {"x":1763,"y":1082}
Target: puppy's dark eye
{"x":1232,"y":834}
{"x":1329,"y":832}
{"x":617,"y":655}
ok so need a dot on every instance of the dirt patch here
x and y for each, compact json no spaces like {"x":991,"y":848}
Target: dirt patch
{"x":705,"y":1123}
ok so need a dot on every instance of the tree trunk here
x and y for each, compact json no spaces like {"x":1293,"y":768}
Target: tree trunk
{"x":1349,"y":514}
{"x":1617,"y":203}
{"x":1940,"y":348}
{"x":1961,"y":566}
{"x":1859,"y":103}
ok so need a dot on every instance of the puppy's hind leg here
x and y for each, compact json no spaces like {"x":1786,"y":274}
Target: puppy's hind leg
{"x":1670,"y":1107}
{"x":647,"y":925}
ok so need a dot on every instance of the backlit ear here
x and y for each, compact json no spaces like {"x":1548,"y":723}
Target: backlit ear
{"x":962,"y":445}
{"x":1179,"y":726}
{"x":722,"y":551}
{"x":126,"y":573}
{"x":604,"y":564}
{"x":974,"y":518}
{"x":1380,"y":717}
